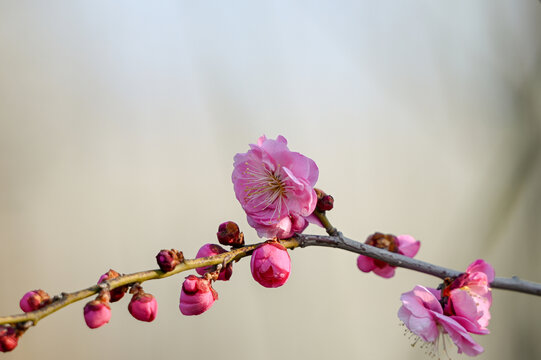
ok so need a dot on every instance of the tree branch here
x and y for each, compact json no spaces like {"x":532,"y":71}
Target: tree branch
{"x":300,"y":240}
{"x":341,"y":242}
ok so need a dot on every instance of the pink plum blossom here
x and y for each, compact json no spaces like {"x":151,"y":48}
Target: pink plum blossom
{"x":275,"y":187}
{"x":423,"y":315}
{"x":211,"y":250}
{"x":196,"y":296}
{"x":97,"y":313}
{"x":469,"y":296}
{"x":270,"y":264}
{"x":402,"y":244}
{"x":143,"y":306}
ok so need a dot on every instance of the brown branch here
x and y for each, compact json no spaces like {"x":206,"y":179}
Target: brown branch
{"x":398,"y":260}
{"x":300,"y":240}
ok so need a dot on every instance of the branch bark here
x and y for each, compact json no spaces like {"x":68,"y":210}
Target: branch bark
{"x":300,"y":240}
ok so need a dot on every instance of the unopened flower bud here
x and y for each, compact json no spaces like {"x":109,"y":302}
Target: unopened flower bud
{"x":271,"y":265}
{"x":97,"y":313}
{"x":211,"y":250}
{"x":34,"y":300}
{"x":169,"y":259}
{"x":229,"y":234}
{"x":143,"y":306}
{"x":196,"y":296}
{"x":8,"y":338}
{"x":117,"y":293}
{"x":325,"y":203}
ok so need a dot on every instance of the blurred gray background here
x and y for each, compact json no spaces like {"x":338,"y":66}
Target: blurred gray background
{"x":118,"y":126}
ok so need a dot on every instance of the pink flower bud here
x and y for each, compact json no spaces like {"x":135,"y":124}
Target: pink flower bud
{"x":97,"y":313}
{"x":34,"y":300}
{"x":196,"y":296}
{"x":143,"y":307}
{"x":211,"y":250}
{"x":229,"y":234}
{"x":8,"y":338}
{"x":271,"y":265}
{"x":117,"y":293}
{"x":169,"y":259}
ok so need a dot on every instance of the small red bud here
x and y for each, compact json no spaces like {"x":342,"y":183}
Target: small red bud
{"x":8,"y":338}
{"x":34,"y":300}
{"x":325,"y":203}
{"x":117,"y":293}
{"x":169,"y":259}
{"x":229,"y":234}
{"x":270,"y":264}
{"x":97,"y":313}
{"x":143,"y":306}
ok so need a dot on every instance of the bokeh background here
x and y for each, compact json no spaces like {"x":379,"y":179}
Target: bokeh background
{"x":118,"y":126}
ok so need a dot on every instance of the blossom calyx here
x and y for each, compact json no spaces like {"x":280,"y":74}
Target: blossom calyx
{"x":196,"y":295}
{"x":211,"y":250}
{"x":97,"y":313}
{"x":270,"y":264}
{"x":116,"y":293}
{"x":229,"y":234}
{"x":34,"y":300}
{"x":169,"y":259}
{"x":9,"y":338}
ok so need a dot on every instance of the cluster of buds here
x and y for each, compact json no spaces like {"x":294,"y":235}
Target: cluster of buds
{"x":142,"y":306}
{"x":117,"y":293}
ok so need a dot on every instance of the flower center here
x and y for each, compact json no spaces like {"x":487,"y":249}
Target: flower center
{"x":265,"y":188}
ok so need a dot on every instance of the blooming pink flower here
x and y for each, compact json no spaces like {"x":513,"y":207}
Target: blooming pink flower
{"x":97,"y":313}
{"x":196,"y":296}
{"x":34,"y":300}
{"x":211,"y":250}
{"x":270,"y":264}
{"x":143,"y":307}
{"x":423,"y":315}
{"x":8,"y":338}
{"x":469,"y":296}
{"x":275,"y":187}
{"x":402,"y":244}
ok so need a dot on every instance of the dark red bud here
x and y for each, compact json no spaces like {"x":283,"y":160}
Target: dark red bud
{"x":229,"y":234}
{"x":169,"y":259}
{"x":325,"y":203}
{"x":8,"y":338}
